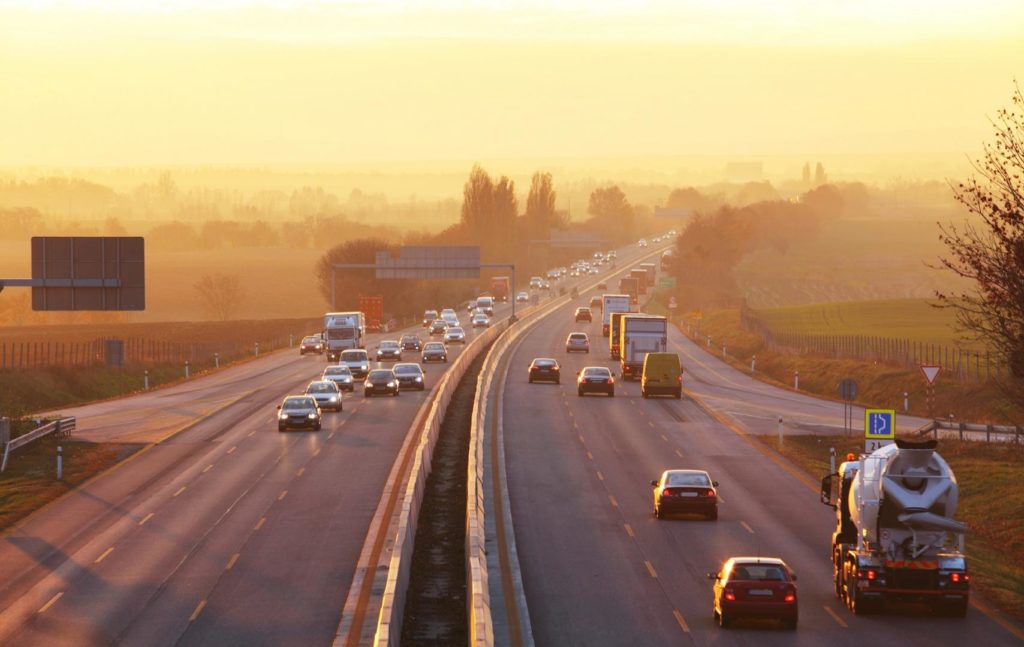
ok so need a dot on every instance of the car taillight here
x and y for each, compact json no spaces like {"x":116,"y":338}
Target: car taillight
{"x":729,"y":595}
{"x":790,"y":597}
{"x":959,"y":577}
{"x":709,"y":493}
{"x":611,"y":380}
{"x":869,"y":574}
{"x":680,"y":378}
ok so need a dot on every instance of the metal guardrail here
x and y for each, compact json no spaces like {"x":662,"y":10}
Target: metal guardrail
{"x":964,"y":431}
{"x":61,"y":427}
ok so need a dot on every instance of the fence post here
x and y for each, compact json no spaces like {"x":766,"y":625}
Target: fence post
{"x":186,"y":369}
{"x":753,"y":362}
{"x":906,"y":402}
{"x":145,"y":379}
{"x":257,"y":349}
{"x":796,"y":380}
{"x":216,"y":360}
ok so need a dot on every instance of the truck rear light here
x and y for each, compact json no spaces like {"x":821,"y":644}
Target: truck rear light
{"x":869,"y":574}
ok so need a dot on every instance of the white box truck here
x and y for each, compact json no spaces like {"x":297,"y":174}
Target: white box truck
{"x":640,"y":334}
{"x":343,"y":330}
{"x":612,"y":303}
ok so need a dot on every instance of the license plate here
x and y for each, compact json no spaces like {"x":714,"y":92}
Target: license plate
{"x":760,"y":592}
{"x":687,"y":494}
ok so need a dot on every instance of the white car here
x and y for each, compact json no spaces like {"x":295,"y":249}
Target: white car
{"x":522,"y":297}
{"x":326,"y":393}
{"x":455,"y":335}
{"x":481,"y":321}
{"x":577,"y":341}
{"x":340,"y":375}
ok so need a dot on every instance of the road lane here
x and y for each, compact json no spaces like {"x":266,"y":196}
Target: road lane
{"x":599,"y":569}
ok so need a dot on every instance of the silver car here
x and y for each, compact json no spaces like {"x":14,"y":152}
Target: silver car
{"x":455,"y":336}
{"x":577,"y":341}
{"x":481,"y":321}
{"x":340,"y":375}
{"x":326,"y":393}
{"x":410,"y":376}
{"x":357,"y":361}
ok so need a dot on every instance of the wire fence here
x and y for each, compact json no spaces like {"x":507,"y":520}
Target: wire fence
{"x":964,"y":364}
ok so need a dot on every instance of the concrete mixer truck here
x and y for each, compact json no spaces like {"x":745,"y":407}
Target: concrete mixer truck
{"x":895,"y":536}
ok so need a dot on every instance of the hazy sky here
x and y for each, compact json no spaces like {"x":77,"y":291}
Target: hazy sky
{"x":227,"y":81}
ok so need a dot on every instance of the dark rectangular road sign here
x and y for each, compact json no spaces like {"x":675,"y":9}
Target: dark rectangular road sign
{"x":430,"y":262}
{"x":88,"y":273}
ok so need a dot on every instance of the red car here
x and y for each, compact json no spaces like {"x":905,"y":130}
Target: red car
{"x":685,"y":491}
{"x":755,"y":587}
{"x":545,"y":369}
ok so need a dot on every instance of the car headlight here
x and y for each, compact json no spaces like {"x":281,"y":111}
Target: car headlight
{"x":392,"y":384}
{"x":283,"y":415}
{"x":419,"y":379}
{"x":334,"y":398}
{"x":312,"y":416}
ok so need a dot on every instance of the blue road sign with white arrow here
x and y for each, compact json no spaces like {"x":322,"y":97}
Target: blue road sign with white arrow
{"x":879,"y":428}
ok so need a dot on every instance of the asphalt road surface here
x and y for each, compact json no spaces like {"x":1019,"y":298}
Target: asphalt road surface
{"x":599,"y":569}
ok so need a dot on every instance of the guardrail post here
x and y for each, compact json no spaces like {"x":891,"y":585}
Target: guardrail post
{"x":963,"y":425}
{"x":60,"y":463}
{"x":257,"y":349}
{"x":186,"y":369}
{"x":289,"y":340}
{"x":723,"y":352}
{"x":988,"y":433}
{"x":753,"y":363}
{"x":145,"y":380}
{"x":5,"y":430}
{"x":796,"y":380}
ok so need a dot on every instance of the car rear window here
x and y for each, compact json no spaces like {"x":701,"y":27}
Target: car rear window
{"x":321,"y":387}
{"x":759,"y":573}
{"x":596,"y":372}
{"x":353,"y":355}
{"x":578,"y":336}
{"x":688,"y":479}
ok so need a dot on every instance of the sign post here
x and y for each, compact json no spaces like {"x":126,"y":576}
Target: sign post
{"x":930,"y":371}
{"x":848,"y":393}
{"x":879,"y":428}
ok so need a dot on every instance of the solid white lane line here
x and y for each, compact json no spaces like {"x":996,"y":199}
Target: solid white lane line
{"x":199,"y":609}
{"x":146,"y":518}
{"x":104,"y":555}
{"x":835,"y":616}
{"x":231,"y":562}
{"x":52,"y":601}
{"x":183,"y":488}
{"x":749,"y":529}
{"x":681,"y":620}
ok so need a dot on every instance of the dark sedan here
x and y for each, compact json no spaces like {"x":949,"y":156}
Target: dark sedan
{"x":410,"y":376}
{"x":685,"y":491}
{"x":389,"y":350}
{"x":545,"y":369}
{"x":434,"y":351}
{"x":312,"y":344}
{"x":412,"y":342}
{"x":756,"y":588}
{"x":595,"y":379}
{"x":298,"y":412}
{"x":380,"y":381}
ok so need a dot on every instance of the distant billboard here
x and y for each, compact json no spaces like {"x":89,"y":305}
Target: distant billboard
{"x":88,"y":273}
{"x":430,"y":262}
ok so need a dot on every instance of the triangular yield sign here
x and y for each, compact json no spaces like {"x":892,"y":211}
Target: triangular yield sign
{"x":930,"y":372}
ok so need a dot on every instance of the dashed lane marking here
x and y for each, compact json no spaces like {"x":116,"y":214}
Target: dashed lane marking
{"x":282,"y":495}
{"x":600,"y":476}
{"x":52,"y":601}
{"x":629,"y":530}
{"x":835,"y":616}
{"x":682,"y":622}
{"x":259,"y":524}
{"x":590,"y":456}
{"x":679,"y":453}
{"x":317,"y":452}
{"x":664,"y":437}
{"x":650,"y":568}
{"x":231,"y":562}
{"x":250,"y":433}
{"x":330,"y":435}
{"x":199,"y":609}
{"x":207,"y":468}
{"x":302,"y":470}
{"x":146,"y":518}
{"x":748,"y":528}
{"x":581,"y":439}
{"x":613,"y":501}
{"x":650,"y":423}
{"x":231,"y":451}
{"x":104,"y":555}
{"x":183,"y":488}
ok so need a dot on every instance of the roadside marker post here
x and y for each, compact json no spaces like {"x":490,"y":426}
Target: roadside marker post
{"x":186,"y":369}
{"x":257,"y":349}
{"x":145,"y":380}
{"x":753,"y":362}
{"x":906,"y":402}
{"x":796,"y":380}
{"x":780,"y":430}
{"x":60,"y":463}
{"x":216,"y":360}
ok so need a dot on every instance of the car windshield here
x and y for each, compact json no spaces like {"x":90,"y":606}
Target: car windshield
{"x":388,"y":345}
{"x":407,"y":369}
{"x":337,"y":371}
{"x":596,"y":372}
{"x":322,"y":387}
{"x":689,"y":479}
{"x":299,"y":403}
{"x":310,"y":340}
{"x":409,"y":339}
{"x":434,"y":346}
{"x":758,"y":573}
{"x":430,"y":314}
{"x":381,"y":375}
{"x":353,"y":356}
{"x":340,"y":333}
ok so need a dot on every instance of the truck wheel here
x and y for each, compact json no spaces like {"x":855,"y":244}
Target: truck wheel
{"x":858,"y":604}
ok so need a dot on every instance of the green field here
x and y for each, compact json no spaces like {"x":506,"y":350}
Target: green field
{"x":914,"y":319}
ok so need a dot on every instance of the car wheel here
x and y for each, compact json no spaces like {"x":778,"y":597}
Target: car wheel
{"x":317,"y":427}
{"x":366,"y":394}
{"x":395,"y":393}
{"x":559,"y":381}
{"x":280,"y":427}
{"x":611,"y":394}
{"x":679,"y":394}
{"x":714,"y":515}
{"x":643,"y":394}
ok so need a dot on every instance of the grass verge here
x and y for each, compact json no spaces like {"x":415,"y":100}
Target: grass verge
{"x":30,"y":481}
{"x":991,"y":503}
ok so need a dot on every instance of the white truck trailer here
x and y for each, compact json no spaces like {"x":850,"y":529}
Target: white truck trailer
{"x":612,"y":303}
{"x":640,"y":334}
{"x":343,"y":330}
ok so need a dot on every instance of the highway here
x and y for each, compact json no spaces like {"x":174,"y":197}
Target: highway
{"x":225,"y":532}
{"x":221,"y":531}
{"x":599,"y":569}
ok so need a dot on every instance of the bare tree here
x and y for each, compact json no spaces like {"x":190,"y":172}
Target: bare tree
{"x":220,"y":295}
{"x":991,"y":252}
